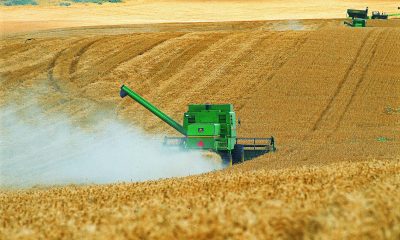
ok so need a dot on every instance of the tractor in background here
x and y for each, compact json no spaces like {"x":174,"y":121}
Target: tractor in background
{"x":379,"y":15}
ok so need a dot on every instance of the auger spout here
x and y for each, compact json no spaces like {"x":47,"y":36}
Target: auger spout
{"x":125,"y":91}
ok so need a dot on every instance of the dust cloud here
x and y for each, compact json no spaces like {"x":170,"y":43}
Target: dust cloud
{"x":36,"y":149}
{"x":289,"y":25}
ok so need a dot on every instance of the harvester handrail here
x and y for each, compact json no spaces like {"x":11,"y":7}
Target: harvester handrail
{"x":254,"y":143}
{"x":255,"y":138}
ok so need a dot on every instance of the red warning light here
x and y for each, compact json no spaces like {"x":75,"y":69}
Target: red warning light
{"x":200,"y":144}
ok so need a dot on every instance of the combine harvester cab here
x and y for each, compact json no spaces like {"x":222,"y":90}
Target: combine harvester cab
{"x":210,"y":127}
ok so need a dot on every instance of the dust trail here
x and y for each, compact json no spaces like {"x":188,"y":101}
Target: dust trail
{"x":39,"y":150}
{"x":290,"y":25}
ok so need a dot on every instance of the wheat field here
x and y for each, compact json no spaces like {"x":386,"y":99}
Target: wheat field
{"x":327,"y":93}
{"x":339,"y":201}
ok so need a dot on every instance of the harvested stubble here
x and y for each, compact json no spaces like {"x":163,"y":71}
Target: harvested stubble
{"x":342,"y":200}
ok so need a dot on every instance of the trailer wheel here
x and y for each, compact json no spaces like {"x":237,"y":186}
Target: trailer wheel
{"x":238,"y":153}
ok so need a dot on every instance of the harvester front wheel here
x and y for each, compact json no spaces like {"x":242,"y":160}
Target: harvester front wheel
{"x":238,"y":153}
{"x":226,"y":157}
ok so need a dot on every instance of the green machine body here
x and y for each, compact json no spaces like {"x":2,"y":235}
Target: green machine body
{"x":210,"y":126}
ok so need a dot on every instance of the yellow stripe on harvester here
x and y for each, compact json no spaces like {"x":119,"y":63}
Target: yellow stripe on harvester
{"x":216,"y":136}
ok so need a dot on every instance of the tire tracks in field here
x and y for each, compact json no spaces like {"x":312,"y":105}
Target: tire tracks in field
{"x":68,"y":59}
{"x":354,"y":85}
{"x":18,"y":48}
{"x":199,"y":48}
{"x":296,"y":148}
{"x":238,"y":45}
{"x":278,"y":61}
{"x":341,"y":84}
{"x":260,"y":82}
{"x":389,"y":60}
{"x":126,"y":54}
{"x":298,"y":45}
{"x":13,"y":79}
{"x":172,"y":66}
{"x":181,"y":62}
{"x":360,"y":80}
{"x":140,"y":53}
{"x":76,"y":59}
{"x":148,"y":49}
{"x":52,"y":65}
{"x":50,"y":71}
{"x":153,"y":46}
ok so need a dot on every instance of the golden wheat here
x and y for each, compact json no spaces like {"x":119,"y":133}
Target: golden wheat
{"x":343,"y":200}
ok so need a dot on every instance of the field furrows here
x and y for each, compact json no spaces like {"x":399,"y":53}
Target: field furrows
{"x":191,"y":52}
{"x":22,"y":61}
{"x":158,"y":66}
{"x":55,"y":82}
{"x":207,"y":68}
{"x":135,"y":47}
{"x":370,"y":55}
{"x":21,"y":46}
{"x":260,"y":95}
{"x":77,"y":56}
{"x":183,"y":50}
{"x":12,"y":79}
{"x":324,"y":116}
{"x":73,"y":74}
{"x":297,"y":102}
{"x":377,"y":88}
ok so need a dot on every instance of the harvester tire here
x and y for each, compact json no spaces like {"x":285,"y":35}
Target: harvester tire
{"x":226,"y":157}
{"x":238,"y":154}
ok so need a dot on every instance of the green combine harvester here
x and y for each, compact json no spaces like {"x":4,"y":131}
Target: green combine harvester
{"x":210,"y":127}
{"x":358,"y":17}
